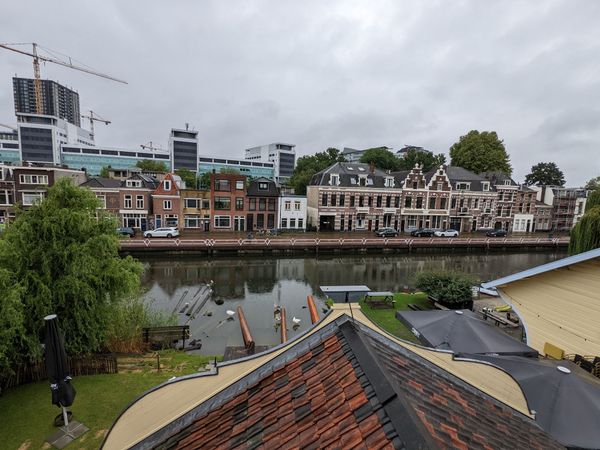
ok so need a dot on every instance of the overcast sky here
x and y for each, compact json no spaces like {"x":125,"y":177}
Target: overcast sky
{"x":337,"y":73}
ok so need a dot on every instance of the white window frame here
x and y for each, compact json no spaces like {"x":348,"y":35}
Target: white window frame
{"x":102,"y":199}
{"x":485,"y":185}
{"x":167,"y":185}
{"x":36,"y":197}
{"x":194,"y":218}
{"x":287,"y":205}
{"x":297,"y":206}
{"x":301,"y":223}
{"x":139,"y":202}
{"x":33,"y":179}
{"x":167,"y":205}
{"x":239,"y":185}
{"x":128,"y":199}
{"x":217,"y":218}
{"x":191,"y":200}
{"x":284,"y":222}
{"x":292,"y":223}
{"x":133,"y":183}
{"x":334,"y":179}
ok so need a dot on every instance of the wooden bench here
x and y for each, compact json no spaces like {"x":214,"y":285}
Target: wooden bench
{"x":380,"y":300}
{"x":498,"y":320}
{"x":166,"y":336}
{"x":415,"y":307}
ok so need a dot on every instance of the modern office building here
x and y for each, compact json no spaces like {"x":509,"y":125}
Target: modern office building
{"x":283,"y":157}
{"x":93,"y":159}
{"x":9,"y":146}
{"x":183,"y":148}
{"x":252,"y":169}
{"x":57,"y":100}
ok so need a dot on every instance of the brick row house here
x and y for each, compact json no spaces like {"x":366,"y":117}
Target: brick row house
{"x":355,"y":196}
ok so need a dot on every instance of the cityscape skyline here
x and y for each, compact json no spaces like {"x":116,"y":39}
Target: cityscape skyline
{"x":315,"y":84}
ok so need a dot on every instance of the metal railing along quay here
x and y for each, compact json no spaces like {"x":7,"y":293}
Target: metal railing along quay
{"x":317,"y":243}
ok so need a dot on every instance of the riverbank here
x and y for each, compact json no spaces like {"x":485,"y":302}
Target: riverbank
{"x":303,"y":244}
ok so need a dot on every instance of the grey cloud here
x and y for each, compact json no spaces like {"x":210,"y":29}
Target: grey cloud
{"x":320,"y":74}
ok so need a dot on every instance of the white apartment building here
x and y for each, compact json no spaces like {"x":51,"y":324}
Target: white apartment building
{"x":292,"y":212}
{"x":282,"y":155}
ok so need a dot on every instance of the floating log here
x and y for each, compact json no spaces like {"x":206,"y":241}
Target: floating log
{"x":312,"y":308}
{"x":178,"y":305}
{"x":283,"y":326}
{"x":248,"y":341}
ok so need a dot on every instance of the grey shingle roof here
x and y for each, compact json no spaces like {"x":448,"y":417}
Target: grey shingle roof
{"x":254,"y":191}
{"x":349,"y":174}
{"x":99,"y":182}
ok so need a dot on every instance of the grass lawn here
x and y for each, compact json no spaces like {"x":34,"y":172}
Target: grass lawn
{"x":386,"y":318}
{"x":26,"y":413}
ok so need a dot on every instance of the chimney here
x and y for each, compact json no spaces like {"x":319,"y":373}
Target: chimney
{"x":372,"y":167}
{"x":187,"y":126}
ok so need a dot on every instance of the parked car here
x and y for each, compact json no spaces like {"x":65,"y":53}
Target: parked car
{"x":422,"y":232}
{"x":446,"y":233}
{"x":385,"y":232}
{"x":126,"y":231}
{"x":496,"y":233}
{"x":162,"y":232}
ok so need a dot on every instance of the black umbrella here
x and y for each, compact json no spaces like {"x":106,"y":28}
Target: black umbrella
{"x":57,"y":364}
{"x":565,"y":398}
{"x":462,"y":331}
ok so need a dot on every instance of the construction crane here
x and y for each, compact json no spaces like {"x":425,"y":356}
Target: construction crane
{"x":150,"y":147}
{"x":36,"y":70}
{"x":93,"y":117}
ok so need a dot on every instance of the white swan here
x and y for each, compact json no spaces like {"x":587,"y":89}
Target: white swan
{"x":230,"y":313}
{"x":296,"y":320}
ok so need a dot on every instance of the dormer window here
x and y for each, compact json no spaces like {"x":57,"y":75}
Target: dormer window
{"x":369,"y":182}
{"x":263,"y":186}
{"x":389,"y":182}
{"x":334,"y":179}
{"x":362,"y":181}
{"x":133,"y":183}
{"x":462,"y":186}
{"x":353,"y":180}
{"x":485,"y":185}
{"x":167,"y":184}
{"x":506,"y":182}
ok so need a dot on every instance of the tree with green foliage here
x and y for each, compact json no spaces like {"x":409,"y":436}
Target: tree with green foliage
{"x":104,"y":171}
{"x":307,"y":166}
{"x":545,"y":174}
{"x":381,"y":157}
{"x":593,"y":199}
{"x":204,"y":181}
{"x":152,"y":166}
{"x":593,"y":184}
{"x":62,"y":256}
{"x":427,"y":159}
{"x":585,"y":235}
{"x":480,"y":152}
{"x":452,"y":289}
{"x":188,"y":177}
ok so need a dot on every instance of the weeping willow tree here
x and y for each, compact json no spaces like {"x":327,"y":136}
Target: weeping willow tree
{"x":61,"y":256}
{"x":586,"y":234}
{"x":593,"y":199}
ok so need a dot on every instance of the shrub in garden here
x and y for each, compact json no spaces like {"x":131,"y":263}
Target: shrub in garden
{"x":452,"y":289}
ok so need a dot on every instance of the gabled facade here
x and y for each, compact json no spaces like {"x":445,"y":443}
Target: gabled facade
{"x":135,"y":201}
{"x":166,"y":201}
{"x":107,"y":191}
{"x":228,"y":202}
{"x":195,"y":209}
{"x":262,"y":202}
{"x":473,"y":201}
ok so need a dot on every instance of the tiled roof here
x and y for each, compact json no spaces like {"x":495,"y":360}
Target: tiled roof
{"x":254,"y":191}
{"x":498,"y":177}
{"x":348,"y":173}
{"x":99,"y":182}
{"x":348,"y":386}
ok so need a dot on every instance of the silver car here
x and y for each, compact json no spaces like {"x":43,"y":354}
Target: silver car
{"x":446,"y":233}
{"x":162,"y":232}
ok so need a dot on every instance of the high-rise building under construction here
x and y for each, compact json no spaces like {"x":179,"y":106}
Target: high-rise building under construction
{"x":57,"y":100}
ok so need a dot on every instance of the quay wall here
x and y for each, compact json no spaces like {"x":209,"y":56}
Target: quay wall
{"x":301,"y":245}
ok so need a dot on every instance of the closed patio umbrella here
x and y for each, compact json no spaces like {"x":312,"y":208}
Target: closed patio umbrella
{"x":63,"y":392}
{"x":57,"y":365}
{"x":461,"y":331}
{"x":565,"y":398}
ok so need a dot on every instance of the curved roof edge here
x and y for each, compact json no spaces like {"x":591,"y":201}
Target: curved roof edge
{"x":564,"y":262}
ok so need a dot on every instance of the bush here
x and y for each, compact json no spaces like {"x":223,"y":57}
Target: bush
{"x":451,"y":289}
{"x":124,"y":334}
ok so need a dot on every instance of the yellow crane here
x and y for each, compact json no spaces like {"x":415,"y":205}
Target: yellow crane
{"x":36,"y":69}
{"x":94,"y":117}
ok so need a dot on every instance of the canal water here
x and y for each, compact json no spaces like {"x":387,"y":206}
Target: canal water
{"x":259,"y":283}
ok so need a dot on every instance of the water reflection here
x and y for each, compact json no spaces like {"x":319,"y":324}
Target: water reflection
{"x":259,"y":284}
